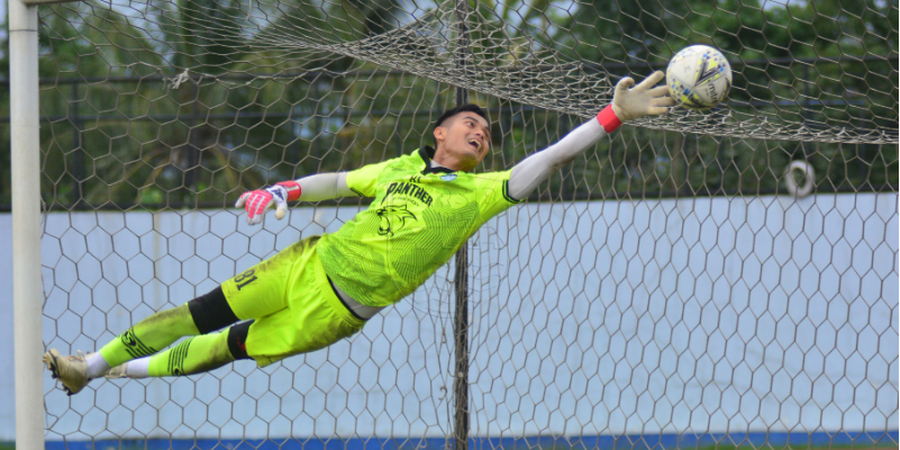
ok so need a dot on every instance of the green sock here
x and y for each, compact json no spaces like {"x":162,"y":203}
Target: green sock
{"x":150,"y":335}
{"x":193,"y":355}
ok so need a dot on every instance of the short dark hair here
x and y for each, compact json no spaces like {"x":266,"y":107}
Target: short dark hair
{"x":468,"y":107}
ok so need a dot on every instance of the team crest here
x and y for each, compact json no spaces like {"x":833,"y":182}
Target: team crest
{"x":393,"y":218}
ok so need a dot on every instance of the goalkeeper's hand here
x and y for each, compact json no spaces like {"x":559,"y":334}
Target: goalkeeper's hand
{"x":257,"y":202}
{"x":642,"y":100}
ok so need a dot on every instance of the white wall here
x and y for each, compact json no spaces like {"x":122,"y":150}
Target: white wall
{"x":7,"y":376}
{"x":716,"y":315}
{"x":588,"y":318}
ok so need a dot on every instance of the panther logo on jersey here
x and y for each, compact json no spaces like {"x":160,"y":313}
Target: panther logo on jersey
{"x":393,"y":218}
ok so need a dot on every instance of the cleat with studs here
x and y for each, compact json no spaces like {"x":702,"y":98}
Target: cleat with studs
{"x":116,"y":372}
{"x":71,"y":370}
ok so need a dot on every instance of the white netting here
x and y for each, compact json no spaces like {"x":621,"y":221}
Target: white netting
{"x":665,"y":290}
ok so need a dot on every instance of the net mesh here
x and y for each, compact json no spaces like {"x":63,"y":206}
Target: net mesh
{"x":669,"y":289}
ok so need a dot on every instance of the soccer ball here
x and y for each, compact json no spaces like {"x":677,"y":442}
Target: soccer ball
{"x":698,"y":77}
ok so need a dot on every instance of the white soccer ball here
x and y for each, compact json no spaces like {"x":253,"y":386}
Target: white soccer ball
{"x":699,"y":77}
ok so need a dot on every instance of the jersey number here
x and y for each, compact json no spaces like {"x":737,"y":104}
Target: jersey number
{"x":245,"y":278}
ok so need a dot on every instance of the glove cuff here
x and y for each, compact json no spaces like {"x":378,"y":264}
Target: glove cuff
{"x":608,"y":119}
{"x":292,"y":188}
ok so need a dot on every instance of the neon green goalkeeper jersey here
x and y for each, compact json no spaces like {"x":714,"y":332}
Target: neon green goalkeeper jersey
{"x":419,"y":218}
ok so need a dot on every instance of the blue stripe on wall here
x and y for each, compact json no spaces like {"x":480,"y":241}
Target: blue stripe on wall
{"x":881,"y":439}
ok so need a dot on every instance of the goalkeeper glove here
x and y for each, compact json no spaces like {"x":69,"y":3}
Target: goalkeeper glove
{"x":256,"y":202}
{"x":642,"y":100}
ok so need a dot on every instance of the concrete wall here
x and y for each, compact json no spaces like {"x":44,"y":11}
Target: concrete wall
{"x":593,"y":318}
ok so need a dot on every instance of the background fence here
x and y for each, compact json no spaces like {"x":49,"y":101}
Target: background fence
{"x":663,"y":290}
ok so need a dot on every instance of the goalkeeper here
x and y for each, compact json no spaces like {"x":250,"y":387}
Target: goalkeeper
{"x":324,"y":288}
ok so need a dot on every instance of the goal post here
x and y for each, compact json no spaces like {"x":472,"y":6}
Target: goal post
{"x":723,"y":278}
{"x":26,"y":234}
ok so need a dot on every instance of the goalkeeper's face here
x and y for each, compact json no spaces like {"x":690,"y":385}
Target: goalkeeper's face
{"x":462,"y":141}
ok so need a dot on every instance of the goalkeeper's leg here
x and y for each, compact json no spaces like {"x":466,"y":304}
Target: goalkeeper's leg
{"x":193,"y":355}
{"x":201,"y":315}
{"x":257,"y":292}
{"x":261,"y":292}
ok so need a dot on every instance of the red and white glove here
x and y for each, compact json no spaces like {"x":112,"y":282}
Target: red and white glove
{"x":630,"y":103}
{"x":257,"y":202}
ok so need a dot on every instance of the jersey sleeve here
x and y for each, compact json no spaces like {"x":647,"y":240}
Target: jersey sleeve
{"x":493,"y":194}
{"x":363,"y":181}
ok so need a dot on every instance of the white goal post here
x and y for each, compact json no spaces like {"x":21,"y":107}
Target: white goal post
{"x":643,"y":292}
{"x":25,"y":163}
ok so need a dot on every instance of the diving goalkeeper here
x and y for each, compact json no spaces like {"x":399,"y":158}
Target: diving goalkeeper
{"x":324,"y":288}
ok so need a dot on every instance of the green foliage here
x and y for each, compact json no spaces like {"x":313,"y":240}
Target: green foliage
{"x":187,"y":103}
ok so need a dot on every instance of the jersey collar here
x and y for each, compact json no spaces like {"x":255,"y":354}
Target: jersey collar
{"x":427,"y":153}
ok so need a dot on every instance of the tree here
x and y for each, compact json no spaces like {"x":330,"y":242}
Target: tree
{"x":167,"y":103}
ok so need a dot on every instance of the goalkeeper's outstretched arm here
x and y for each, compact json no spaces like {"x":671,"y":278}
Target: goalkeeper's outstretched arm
{"x":313,"y":188}
{"x":628,"y":104}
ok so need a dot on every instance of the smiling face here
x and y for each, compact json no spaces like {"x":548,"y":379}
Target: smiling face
{"x":463,"y":140}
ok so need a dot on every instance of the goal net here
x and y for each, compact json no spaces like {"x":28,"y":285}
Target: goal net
{"x":719,"y":279}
